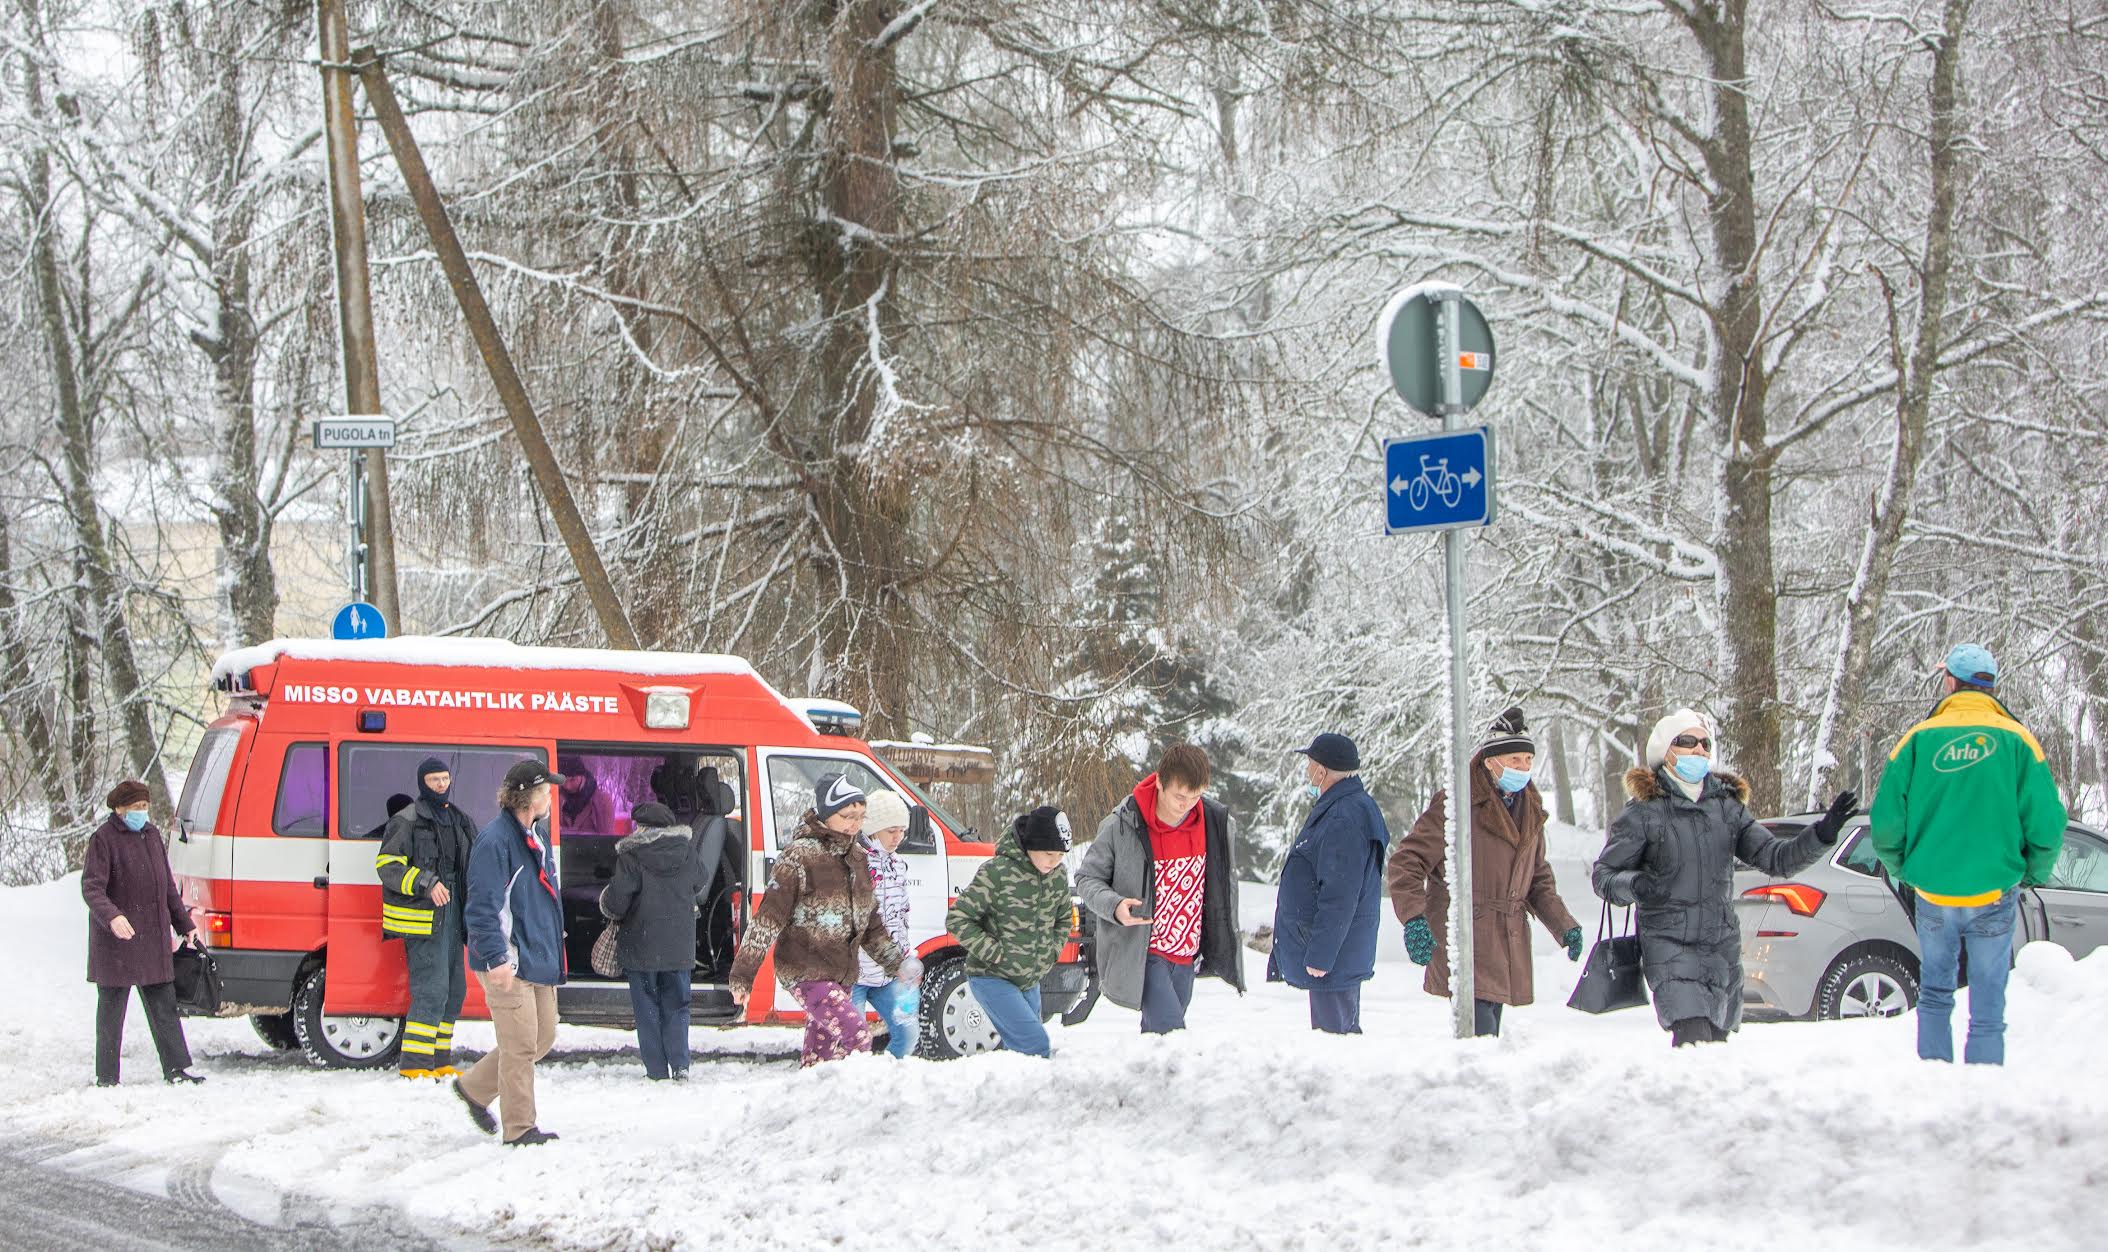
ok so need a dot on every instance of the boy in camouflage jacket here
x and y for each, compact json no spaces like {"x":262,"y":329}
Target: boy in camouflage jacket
{"x":1013,"y":919}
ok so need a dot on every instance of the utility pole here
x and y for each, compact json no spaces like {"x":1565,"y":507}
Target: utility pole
{"x":372,"y":555}
{"x":556,"y":494}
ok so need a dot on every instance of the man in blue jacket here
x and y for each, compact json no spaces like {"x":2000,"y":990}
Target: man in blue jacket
{"x":516,"y":946}
{"x":1326,"y":913}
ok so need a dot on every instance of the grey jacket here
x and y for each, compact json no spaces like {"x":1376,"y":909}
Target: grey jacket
{"x":1118,"y":866}
{"x":1675,"y":858}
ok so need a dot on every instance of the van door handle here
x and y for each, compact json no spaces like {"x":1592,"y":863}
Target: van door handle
{"x":2067,"y":919}
{"x":321,"y":882}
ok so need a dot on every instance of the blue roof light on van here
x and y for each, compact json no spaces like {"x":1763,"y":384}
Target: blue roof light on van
{"x":831,"y":717}
{"x":372,"y":721}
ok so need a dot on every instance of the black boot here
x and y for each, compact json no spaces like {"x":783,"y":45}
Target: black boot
{"x":176,"y":1076}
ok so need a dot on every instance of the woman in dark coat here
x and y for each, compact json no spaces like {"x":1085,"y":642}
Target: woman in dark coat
{"x":1673,"y":853}
{"x":653,"y":896}
{"x":133,"y":909}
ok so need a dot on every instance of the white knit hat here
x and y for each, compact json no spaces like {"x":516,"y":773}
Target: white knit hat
{"x":1682,"y":721}
{"x":884,"y":810}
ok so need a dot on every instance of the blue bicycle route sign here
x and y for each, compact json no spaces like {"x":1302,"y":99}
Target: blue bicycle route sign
{"x":1442,"y":481}
{"x":359,"y":620}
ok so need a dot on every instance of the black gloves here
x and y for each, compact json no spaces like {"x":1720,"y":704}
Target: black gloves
{"x":1827,"y":826}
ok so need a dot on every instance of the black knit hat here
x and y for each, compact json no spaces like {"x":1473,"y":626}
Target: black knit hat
{"x":831,"y":793}
{"x":1507,"y":734}
{"x":431,"y":765}
{"x":1044,"y":829}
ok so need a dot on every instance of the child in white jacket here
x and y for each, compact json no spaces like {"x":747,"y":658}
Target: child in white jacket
{"x":896,"y":1002}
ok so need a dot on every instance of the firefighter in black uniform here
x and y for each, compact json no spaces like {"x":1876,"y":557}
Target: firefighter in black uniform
{"x":423,"y":864}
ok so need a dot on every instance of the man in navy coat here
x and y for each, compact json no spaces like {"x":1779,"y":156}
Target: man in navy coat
{"x":1329,"y":904}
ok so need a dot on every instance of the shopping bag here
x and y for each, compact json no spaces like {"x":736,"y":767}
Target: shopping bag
{"x":1613,"y":978}
{"x":605,"y":962}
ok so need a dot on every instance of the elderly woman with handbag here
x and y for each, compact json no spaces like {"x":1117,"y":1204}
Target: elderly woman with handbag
{"x":134,"y":911}
{"x":1672,"y":852}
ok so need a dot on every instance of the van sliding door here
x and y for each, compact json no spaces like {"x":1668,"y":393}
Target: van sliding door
{"x":366,"y":975}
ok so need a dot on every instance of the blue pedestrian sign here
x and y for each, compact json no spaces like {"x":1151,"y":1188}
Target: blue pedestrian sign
{"x":359,"y":620}
{"x":1438,"y":482}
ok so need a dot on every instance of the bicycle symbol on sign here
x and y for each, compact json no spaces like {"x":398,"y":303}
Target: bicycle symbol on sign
{"x":1434,"y":479}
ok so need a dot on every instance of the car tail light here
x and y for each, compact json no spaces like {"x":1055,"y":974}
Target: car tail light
{"x":1800,"y":897}
{"x":218,"y":929}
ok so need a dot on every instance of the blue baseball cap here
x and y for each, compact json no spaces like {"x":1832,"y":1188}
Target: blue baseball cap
{"x":1334,"y":752}
{"x":1973,"y":664}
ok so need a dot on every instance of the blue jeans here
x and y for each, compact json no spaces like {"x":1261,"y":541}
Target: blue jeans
{"x":659,"y":998}
{"x":1986,"y":931}
{"x":896,"y":1004}
{"x":1014,"y":1012}
{"x":1167,"y":988}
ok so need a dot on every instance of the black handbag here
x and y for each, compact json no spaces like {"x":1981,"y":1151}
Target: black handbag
{"x":1614,"y":978}
{"x":197,"y":981}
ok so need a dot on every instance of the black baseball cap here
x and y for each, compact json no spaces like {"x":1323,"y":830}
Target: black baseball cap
{"x":1334,"y":752}
{"x":530,"y":773}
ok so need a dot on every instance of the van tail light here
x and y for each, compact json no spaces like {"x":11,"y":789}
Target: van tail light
{"x":1800,"y":897}
{"x":218,"y":929}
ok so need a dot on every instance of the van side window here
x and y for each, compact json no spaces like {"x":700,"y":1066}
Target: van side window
{"x":791,"y":780}
{"x":376,"y":779}
{"x":206,"y":783}
{"x":302,"y":810}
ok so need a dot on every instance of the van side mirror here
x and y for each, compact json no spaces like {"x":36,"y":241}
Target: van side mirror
{"x":919,"y":835}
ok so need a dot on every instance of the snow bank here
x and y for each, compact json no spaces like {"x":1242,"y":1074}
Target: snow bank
{"x":1248,"y":1132}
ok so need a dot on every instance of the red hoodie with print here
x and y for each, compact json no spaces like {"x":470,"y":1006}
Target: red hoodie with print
{"x":1180,"y":857}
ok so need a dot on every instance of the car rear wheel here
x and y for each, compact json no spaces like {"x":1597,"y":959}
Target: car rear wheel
{"x":342,"y":1042}
{"x":1870,"y":984}
{"x":953,"y":1022}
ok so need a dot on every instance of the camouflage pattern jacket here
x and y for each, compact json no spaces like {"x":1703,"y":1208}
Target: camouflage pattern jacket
{"x":1012,"y":919}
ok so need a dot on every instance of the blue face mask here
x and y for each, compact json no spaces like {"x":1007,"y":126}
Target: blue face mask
{"x":1693,"y":768}
{"x":1512,"y":779}
{"x":1312,"y":791}
{"x":135,"y":819}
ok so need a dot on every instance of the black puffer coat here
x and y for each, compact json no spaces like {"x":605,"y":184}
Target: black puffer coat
{"x":657,"y":878}
{"x":1675,"y":857}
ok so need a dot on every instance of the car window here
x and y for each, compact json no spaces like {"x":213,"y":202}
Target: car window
{"x":378,"y":778}
{"x":199,"y":809}
{"x":791,"y":780}
{"x":303,"y":792}
{"x":1859,"y":855}
{"x":2082,"y":866}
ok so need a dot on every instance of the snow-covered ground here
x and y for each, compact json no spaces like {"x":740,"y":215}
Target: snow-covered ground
{"x":1246,"y":1132}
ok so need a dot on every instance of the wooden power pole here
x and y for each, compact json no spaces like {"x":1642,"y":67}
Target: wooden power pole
{"x":563,"y":510}
{"x":362,"y":378}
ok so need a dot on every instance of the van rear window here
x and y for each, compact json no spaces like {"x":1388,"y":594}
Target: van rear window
{"x":374,"y":779}
{"x":302,"y":810}
{"x":198,"y":812}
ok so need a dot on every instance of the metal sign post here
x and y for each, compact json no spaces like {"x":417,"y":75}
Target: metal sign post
{"x":357,"y":434}
{"x":1439,"y":352}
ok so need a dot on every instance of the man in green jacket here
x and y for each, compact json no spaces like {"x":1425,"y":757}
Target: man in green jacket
{"x":1966,"y":814}
{"x":1013,"y":919}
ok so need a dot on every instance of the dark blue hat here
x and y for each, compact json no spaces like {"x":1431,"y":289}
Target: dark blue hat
{"x":1334,"y":752}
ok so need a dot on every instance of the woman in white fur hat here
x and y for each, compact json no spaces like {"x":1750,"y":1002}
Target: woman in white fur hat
{"x":1673,"y":853}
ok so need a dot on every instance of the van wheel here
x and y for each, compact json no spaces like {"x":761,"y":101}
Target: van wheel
{"x":276,"y":1029}
{"x":953,"y":1024}
{"x":1868,"y":985}
{"x":342,"y":1042}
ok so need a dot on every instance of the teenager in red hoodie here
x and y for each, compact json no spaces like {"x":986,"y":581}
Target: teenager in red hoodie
{"x":1158,"y":877}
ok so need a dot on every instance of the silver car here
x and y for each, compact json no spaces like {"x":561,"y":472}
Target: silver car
{"x":1833,"y":940}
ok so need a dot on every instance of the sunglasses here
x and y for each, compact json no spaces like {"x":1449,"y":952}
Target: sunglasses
{"x":1691,"y":741}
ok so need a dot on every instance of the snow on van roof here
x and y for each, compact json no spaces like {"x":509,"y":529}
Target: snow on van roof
{"x":470,"y":652}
